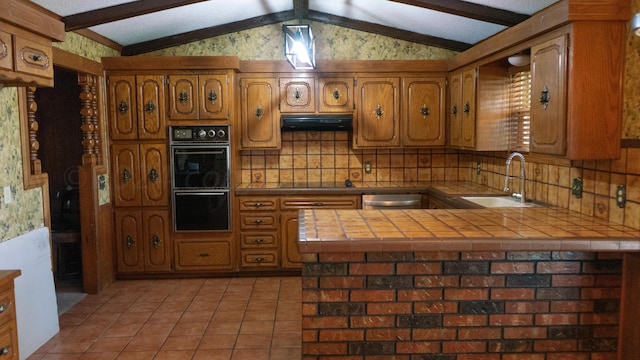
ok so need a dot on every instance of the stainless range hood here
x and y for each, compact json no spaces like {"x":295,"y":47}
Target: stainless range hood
{"x":317,"y":122}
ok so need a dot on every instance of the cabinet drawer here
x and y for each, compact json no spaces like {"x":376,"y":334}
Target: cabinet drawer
{"x":6,"y":51}
{"x":203,"y":255}
{"x":8,"y":342}
{"x":7,"y":309}
{"x":259,"y":258}
{"x":258,"y":240}
{"x":257,"y":221}
{"x":253,"y":204}
{"x":33,"y":58}
{"x":350,"y":202}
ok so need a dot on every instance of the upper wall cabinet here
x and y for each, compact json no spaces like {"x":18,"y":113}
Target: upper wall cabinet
{"x":423,"y":104}
{"x":297,"y":94}
{"x":137,"y":107}
{"x":25,"y":44}
{"x":260,"y":118}
{"x":336,"y":94}
{"x":577,"y":87}
{"x":199,"y":97}
{"x":462,"y":102}
{"x":378,"y":112}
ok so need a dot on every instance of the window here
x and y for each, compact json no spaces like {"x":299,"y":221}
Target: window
{"x":519,"y":109}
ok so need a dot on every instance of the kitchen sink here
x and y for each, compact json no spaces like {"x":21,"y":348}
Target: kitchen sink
{"x":498,"y":201}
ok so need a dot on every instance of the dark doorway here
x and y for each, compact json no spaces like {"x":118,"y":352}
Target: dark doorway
{"x":61,"y":151}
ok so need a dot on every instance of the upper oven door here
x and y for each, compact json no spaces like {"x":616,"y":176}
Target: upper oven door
{"x":200,"y":167}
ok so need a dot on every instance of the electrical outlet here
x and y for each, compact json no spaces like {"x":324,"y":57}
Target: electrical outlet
{"x":367,"y":167}
{"x":621,"y":195}
{"x":576,"y":188}
{"x":478,"y":168}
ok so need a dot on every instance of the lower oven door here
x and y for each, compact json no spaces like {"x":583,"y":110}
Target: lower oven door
{"x":201,"y":211}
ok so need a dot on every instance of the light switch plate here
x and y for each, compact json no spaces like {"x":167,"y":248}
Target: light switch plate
{"x":7,"y":195}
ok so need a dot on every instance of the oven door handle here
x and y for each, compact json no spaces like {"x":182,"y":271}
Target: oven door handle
{"x":178,"y":152}
{"x":201,"y":193}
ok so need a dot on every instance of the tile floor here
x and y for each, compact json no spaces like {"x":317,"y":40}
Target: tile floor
{"x":214,"y":319}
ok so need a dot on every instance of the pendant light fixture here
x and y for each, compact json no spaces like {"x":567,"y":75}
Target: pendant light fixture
{"x":299,"y":44}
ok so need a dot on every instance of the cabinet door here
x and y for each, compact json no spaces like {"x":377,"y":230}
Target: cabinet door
{"x":6,"y":51}
{"x":129,"y":247}
{"x":291,"y":258}
{"x":260,"y":120}
{"x":151,"y":107}
{"x":424,"y":103}
{"x":335,"y":95}
{"x":378,"y":115}
{"x":214,"y":96}
{"x":183,"y":97}
{"x":297,"y":95}
{"x":154,"y":175}
{"x":122,"y":107}
{"x":548,"y":93}
{"x":455,"y":110}
{"x":468,"y":116}
{"x":126,"y":165}
{"x":157,"y":244}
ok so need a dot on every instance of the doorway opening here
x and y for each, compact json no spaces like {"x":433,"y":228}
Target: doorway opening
{"x":61,"y":150}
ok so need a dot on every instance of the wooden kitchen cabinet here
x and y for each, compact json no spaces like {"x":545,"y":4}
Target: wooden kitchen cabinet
{"x":199,"y":96}
{"x":204,"y":255}
{"x":335,"y":94}
{"x":377,"y":112}
{"x":259,"y":243}
{"x":289,"y":208}
{"x":137,"y":107}
{"x":423,"y":104}
{"x":260,"y":117}
{"x":462,"y":102}
{"x":143,"y":243}
{"x":140,"y":174}
{"x":297,"y":94}
{"x":8,"y":324}
{"x":548,"y":96}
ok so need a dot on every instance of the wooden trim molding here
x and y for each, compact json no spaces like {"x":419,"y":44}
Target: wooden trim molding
{"x":91,"y":142}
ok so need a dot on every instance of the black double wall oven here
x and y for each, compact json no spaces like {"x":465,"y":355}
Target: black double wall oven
{"x":200,"y":178}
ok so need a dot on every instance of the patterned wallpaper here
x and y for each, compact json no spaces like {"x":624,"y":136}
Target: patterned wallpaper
{"x":332,"y":42}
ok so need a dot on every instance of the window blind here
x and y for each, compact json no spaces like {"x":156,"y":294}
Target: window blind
{"x":519,"y":109}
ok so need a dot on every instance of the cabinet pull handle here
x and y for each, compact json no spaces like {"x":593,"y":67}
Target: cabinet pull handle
{"x":259,"y":259}
{"x":336,"y":94}
{"x":4,"y":350}
{"x":258,"y":241}
{"x":257,"y":221}
{"x":213,"y":97}
{"x":203,"y":254}
{"x":259,"y":112}
{"x":425,"y":111}
{"x":184,"y":97}
{"x":318,"y":204}
{"x":378,"y":112}
{"x":545,"y":97}
{"x":150,"y":107}
{"x":5,"y":50}
{"x":258,"y":204}
{"x":155,"y":241}
{"x":129,"y":242}
{"x":2,"y":308}
{"x":153,"y":175}
{"x":454,"y":110}
{"x":467,"y":108}
{"x":36,"y":58}
{"x":297,"y":95}
{"x":126,"y":175}
{"x":123,"y":107}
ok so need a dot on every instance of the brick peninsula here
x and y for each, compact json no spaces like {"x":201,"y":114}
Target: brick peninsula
{"x":462,"y":284}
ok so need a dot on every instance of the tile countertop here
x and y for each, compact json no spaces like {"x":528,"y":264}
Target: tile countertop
{"x":496,"y":229}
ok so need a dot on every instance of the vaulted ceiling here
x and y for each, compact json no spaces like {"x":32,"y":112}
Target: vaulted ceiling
{"x":147,"y":25}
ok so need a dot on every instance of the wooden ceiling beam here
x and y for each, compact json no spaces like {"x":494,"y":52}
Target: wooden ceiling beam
{"x":469,"y":10}
{"x":179,"y":39}
{"x":119,"y":12}
{"x":388,"y":31}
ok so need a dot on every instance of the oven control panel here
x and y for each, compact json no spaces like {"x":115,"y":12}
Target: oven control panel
{"x":199,"y":134}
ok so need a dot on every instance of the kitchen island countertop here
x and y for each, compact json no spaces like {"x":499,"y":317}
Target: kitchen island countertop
{"x":497,"y":229}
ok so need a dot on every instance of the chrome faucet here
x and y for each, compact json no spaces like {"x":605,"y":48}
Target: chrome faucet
{"x":520,"y":196}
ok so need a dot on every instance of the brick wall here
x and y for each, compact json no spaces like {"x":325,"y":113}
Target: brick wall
{"x":461,"y":306}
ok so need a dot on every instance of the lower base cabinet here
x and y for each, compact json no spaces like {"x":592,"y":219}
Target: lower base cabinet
{"x":143,"y":243}
{"x":204,"y":255}
{"x":8,"y":324}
